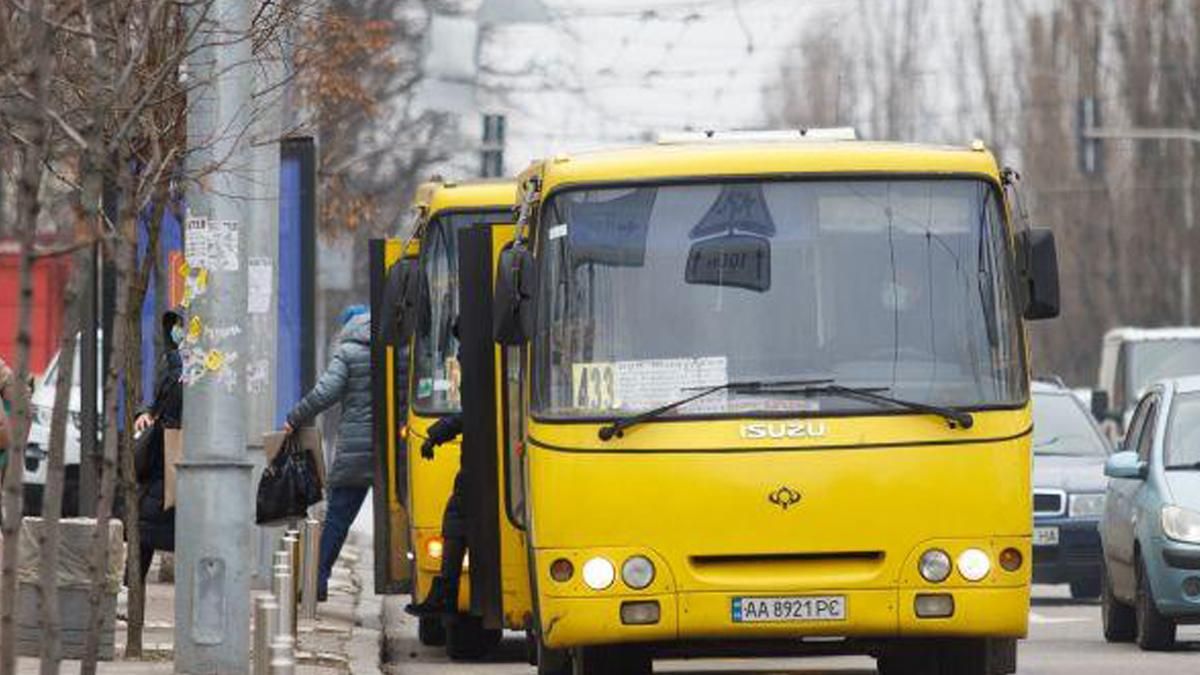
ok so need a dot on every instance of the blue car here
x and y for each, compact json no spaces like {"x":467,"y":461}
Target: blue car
{"x":1068,"y":491}
{"x":1151,"y":527}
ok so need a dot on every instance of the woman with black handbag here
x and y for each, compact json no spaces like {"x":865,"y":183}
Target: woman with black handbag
{"x":156,"y":525}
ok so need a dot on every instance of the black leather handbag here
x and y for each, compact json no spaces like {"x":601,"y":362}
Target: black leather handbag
{"x":289,"y":485}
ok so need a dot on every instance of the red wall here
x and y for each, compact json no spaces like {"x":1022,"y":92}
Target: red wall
{"x":49,"y":283}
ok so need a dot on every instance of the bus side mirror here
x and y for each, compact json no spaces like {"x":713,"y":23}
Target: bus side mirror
{"x":1038,"y":272}
{"x":400,"y":300}
{"x":512,"y":320}
{"x":1100,"y":409}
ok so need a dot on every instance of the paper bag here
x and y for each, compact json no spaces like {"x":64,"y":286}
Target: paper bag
{"x":310,"y":441}
{"x":172,"y":455}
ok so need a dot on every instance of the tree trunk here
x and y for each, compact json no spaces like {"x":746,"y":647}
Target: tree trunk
{"x":122,"y":248}
{"x":136,"y":614}
{"x":50,"y":536}
{"x":28,"y":208}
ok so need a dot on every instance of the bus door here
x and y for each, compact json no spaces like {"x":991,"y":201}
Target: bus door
{"x":393,"y":275}
{"x":500,"y":592}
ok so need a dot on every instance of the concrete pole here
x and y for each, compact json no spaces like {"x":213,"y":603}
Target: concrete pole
{"x":1185,"y":276}
{"x":213,"y":516}
{"x":262,"y":255}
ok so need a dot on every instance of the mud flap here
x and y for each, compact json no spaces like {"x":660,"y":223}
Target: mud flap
{"x":479,"y":439}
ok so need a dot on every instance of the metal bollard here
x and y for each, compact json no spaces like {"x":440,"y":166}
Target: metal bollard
{"x":310,"y":568}
{"x":283,"y":587}
{"x":266,"y":625}
{"x":283,"y":658}
{"x":291,"y":539}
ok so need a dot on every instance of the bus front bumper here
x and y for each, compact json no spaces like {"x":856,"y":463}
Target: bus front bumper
{"x":870,"y":614}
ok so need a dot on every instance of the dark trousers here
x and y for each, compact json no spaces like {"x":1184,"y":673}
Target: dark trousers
{"x":344,"y":503}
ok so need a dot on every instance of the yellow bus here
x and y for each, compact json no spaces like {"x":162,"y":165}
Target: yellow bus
{"x":774,"y":397}
{"x":436,"y":390}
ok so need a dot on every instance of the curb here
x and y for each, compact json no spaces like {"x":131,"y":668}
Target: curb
{"x":366,"y":646}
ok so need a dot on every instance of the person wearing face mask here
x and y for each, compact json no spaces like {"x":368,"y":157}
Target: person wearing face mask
{"x":156,"y":525}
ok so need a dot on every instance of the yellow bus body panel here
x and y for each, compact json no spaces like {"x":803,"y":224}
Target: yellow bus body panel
{"x":862,"y":500}
{"x":430,"y":481}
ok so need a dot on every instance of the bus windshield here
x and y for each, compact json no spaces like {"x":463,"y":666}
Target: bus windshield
{"x":436,"y":375}
{"x":648,"y":293}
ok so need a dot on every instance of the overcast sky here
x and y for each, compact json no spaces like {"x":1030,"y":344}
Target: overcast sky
{"x":606,"y":72}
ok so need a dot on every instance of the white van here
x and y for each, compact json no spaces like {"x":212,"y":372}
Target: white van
{"x":1133,"y":358}
{"x":38,"y":447}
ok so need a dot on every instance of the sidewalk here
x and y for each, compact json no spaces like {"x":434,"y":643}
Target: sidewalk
{"x":345,"y":638}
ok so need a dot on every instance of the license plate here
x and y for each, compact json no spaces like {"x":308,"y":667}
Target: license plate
{"x":1045,"y":536}
{"x":794,"y":608}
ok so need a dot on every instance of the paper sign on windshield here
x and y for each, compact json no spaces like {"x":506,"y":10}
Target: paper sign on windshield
{"x":644,"y":384}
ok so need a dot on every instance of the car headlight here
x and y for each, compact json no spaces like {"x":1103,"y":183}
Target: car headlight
{"x":934,"y":565}
{"x":1085,"y":505}
{"x":637,"y":572}
{"x":974,"y":564}
{"x":598,"y":574}
{"x":1181,"y":524}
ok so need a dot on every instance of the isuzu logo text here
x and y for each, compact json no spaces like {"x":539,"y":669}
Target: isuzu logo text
{"x":763,"y":430}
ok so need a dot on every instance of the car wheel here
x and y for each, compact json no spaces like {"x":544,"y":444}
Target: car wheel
{"x":1155,"y":632}
{"x":1085,"y":589}
{"x":1118,"y":619}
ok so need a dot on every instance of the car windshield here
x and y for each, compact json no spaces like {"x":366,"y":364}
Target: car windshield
{"x":1183,"y":432}
{"x":1151,"y":360}
{"x":436,"y":372}
{"x":647,"y":293}
{"x":1062,"y":427}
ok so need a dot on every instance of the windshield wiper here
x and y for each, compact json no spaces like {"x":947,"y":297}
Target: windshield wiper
{"x":1193,"y":466}
{"x":825,"y":386}
{"x":618,"y":426}
{"x":955,"y":418}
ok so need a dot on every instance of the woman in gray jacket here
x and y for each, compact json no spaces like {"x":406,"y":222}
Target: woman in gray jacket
{"x":346,"y":380}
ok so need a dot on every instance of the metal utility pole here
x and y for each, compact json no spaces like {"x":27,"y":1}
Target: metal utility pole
{"x":262,"y":256}
{"x":213,"y":512}
{"x":1168,"y":134}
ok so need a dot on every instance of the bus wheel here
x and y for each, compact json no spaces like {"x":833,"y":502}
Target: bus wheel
{"x":611,"y":660}
{"x":466,"y":638}
{"x":550,"y":661}
{"x":431,"y":632}
{"x":908,"y":658}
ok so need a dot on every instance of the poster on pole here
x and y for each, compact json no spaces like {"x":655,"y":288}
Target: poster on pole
{"x":260,"y":285}
{"x":224,"y":246}
{"x":195,"y":242}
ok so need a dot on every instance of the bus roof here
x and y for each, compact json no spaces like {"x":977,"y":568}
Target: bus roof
{"x":1135,"y":334}
{"x":704,"y":160}
{"x":474,"y":194}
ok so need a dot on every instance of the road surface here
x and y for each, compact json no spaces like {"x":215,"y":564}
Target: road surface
{"x":1064,"y":639}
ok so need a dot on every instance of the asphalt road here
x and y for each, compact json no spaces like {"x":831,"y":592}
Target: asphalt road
{"x":1064,"y":639}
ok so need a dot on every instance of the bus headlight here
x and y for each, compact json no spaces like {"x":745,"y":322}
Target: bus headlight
{"x":433,"y":548}
{"x":974,"y":564}
{"x":598,"y":574}
{"x":934,"y":565}
{"x":1085,"y":505}
{"x":637,"y":572}
{"x":1181,"y":524}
